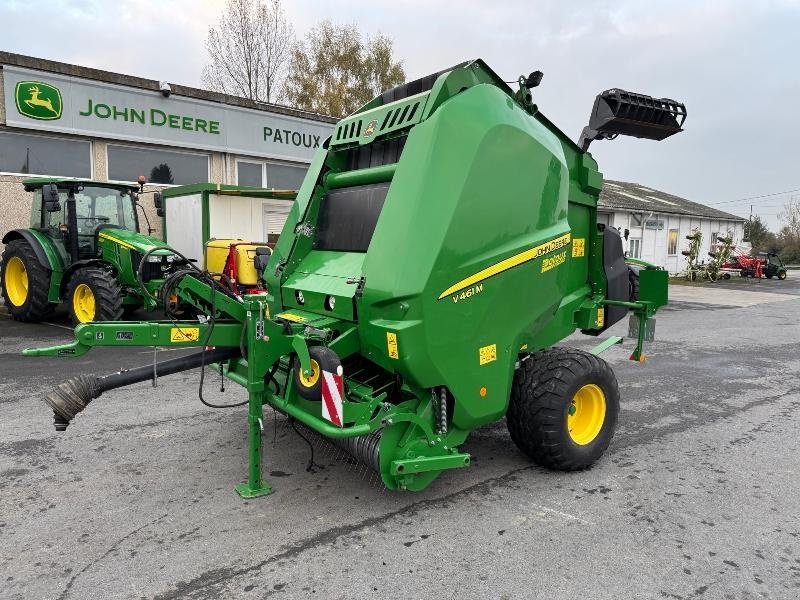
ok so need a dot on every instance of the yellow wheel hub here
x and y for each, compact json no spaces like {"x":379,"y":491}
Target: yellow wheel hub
{"x":587,"y":411}
{"x":310,"y":380}
{"x":16,"y":280}
{"x":83,"y":303}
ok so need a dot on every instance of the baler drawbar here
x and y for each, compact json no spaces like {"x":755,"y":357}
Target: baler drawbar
{"x":445,"y":238}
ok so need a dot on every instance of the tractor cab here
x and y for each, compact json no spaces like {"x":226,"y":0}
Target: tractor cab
{"x":74,"y":212}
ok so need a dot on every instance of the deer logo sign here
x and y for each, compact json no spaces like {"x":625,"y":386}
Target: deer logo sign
{"x":38,"y":100}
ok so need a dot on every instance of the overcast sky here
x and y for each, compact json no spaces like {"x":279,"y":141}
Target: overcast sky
{"x":735,"y":64}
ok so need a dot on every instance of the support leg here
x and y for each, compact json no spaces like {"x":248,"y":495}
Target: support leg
{"x":255,"y":486}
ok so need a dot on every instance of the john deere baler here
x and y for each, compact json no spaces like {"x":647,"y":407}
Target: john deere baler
{"x":443,"y":241}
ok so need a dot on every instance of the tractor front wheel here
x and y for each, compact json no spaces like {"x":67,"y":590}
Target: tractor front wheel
{"x":93,"y":294}
{"x":563,"y":408}
{"x":25,"y":283}
{"x":781,"y":274}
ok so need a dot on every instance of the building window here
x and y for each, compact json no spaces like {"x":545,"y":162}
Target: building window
{"x":126,"y":163}
{"x":635,"y":248}
{"x":714,"y":237}
{"x":285,"y":177}
{"x":672,"y":242}
{"x":636,"y":219}
{"x":250,"y":174}
{"x":40,"y":155}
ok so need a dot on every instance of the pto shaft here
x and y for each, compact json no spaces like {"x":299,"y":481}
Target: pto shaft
{"x":72,"y":396}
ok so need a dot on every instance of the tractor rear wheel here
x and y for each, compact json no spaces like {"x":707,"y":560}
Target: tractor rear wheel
{"x":25,"y":283}
{"x":563,"y":408}
{"x":93,"y":294}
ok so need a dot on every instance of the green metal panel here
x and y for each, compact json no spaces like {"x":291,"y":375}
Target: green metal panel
{"x":361,"y":128}
{"x":56,"y":260}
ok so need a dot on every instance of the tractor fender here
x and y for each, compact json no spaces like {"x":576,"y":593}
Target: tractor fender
{"x":49,"y":260}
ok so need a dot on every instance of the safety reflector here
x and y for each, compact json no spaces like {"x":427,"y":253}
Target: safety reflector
{"x":332,"y":391}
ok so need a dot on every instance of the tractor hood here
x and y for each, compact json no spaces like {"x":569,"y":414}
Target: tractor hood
{"x":132,"y":240}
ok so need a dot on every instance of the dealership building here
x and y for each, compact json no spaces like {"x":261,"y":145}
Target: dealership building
{"x":65,"y":120}
{"x":654,"y":224}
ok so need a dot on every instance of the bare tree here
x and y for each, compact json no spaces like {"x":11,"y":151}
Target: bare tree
{"x":249,"y":50}
{"x":336,"y":71}
{"x":789,"y":235}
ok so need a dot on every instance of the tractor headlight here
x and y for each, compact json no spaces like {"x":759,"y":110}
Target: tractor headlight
{"x":299,"y":295}
{"x":330,"y":302}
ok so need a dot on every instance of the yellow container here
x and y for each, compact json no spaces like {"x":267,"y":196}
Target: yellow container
{"x":217,"y":255}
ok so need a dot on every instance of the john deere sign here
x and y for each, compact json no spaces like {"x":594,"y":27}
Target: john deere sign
{"x":44,"y":101}
{"x":38,"y":100}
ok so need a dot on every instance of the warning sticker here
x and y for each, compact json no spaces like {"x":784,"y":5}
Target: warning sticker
{"x":184,"y":334}
{"x":391,"y":343}
{"x":578,"y":245}
{"x":292,"y":317}
{"x":487,"y":354}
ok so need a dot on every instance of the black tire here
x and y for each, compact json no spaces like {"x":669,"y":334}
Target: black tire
{"x":35,"y":306}
{"x":781,"y":274}
{"x":106,"y":292}
{"x":322,"y":359}
{"x":768,"y":275}
{"x":542,"y":393}
{"x":633,"y":285}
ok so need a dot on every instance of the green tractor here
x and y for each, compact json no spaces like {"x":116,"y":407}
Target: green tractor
{"x":83,"y":248}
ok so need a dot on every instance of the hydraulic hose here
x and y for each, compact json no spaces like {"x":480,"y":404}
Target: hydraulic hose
{"x":74,"y":395}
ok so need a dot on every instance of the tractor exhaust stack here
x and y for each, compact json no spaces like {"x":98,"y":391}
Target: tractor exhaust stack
{"x":74,"y":395}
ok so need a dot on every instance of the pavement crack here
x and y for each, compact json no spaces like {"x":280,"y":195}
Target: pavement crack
{"x":328,"y":537}
{"x":111,"y":549}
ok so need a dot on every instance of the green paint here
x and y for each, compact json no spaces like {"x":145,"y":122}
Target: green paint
{"x":473,"y":262}
{"x":141,"y":116}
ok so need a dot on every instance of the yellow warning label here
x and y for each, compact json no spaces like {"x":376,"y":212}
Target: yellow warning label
{"x":391,"y":343}
{"x":487,"y":354}
{"x":578,"y":245}
{"x":553,"y":262}
{"x":601,"y":317}
{"x":292,"y":317}
{"x":184,"y":334}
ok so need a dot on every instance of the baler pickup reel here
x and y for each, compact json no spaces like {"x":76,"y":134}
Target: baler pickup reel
{"x":617,"y":112}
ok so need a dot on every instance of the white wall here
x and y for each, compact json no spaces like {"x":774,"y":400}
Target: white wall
{"x":654,"y":242}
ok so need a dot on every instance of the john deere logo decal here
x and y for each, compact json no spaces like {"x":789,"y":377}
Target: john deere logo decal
{"x":370,"y":128}
{"x":38,"y":100}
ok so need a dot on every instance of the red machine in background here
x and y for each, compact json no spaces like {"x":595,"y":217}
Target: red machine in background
{"x":747,"y":266}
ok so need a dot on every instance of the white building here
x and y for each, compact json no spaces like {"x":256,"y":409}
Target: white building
{"x":654,"y":224}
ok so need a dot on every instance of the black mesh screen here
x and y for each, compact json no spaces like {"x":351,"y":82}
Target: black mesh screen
{"x":347,"y":217}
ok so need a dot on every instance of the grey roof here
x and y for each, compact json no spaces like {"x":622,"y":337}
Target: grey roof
{"x":52,"y":66}
{"x":622,"y":195}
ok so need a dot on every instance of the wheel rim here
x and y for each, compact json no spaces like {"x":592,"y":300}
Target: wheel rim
{"x":83,"y":303}
{"x":16,"y":280}
{"x":586,"y":415}
{"x":782,"y":275}
{"x":311,"y":380}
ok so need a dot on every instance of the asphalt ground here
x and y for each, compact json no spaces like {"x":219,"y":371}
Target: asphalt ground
{"x":698,"y":495}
